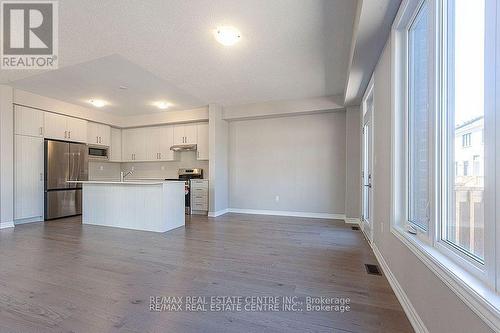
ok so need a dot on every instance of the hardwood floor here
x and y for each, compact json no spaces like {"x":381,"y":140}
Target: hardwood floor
{"x":62,"y":276}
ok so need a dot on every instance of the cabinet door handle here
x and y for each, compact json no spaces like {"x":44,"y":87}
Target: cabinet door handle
{"x":96,"y":139}
{"x":69,"y":134}
{"x":41,"y":176}
{"x":159,"y":156}
{"x":41,"y":130}
{"x":65,"y":134}
{"x":100,"y":139}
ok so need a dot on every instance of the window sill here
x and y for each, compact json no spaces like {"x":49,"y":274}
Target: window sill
{"x":472,"y":291}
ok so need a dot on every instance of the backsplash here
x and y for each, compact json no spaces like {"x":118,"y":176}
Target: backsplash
{"x":163,"y":170}
{"x":99,"y":170}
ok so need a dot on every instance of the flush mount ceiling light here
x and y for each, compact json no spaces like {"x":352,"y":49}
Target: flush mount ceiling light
{"x":162,"y":105}
{"x":227,"y":35}
{"x":99,"y":103}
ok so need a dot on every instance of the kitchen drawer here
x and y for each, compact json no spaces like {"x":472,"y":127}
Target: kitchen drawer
{"x":197,"y":206}
{"x":199,"y":183}
{"x":199,"y":191}
{"x":200,"y":200}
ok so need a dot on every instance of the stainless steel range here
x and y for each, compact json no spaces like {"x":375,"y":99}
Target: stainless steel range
{"x":187,"y":175}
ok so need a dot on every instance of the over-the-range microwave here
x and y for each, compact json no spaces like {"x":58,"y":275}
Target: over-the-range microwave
{"x":98,"y":153}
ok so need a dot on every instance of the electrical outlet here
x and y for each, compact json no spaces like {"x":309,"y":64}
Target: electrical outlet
{"x":277,"y":198}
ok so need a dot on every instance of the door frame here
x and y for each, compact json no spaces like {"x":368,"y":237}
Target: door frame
{"x":367,"y":178}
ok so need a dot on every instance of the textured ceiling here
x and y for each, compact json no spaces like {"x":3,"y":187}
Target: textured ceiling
{"x":289,"y":49}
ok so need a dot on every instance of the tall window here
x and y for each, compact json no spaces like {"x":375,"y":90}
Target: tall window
{"x":445,"y":144}
{"x":419,"y":119}
{"x":463,"y":221}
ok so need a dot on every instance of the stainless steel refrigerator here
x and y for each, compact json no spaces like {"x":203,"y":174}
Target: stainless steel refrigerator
{"x":64,"y":161}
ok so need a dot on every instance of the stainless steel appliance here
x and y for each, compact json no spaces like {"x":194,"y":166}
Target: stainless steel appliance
{"x":98,"y":153}
{"x":187,"y":175}
{"x":184,"y":147}
{"x":64,"y":161}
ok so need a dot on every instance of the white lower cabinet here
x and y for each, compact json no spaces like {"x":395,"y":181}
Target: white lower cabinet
{"x":28,"y":178}
{"x":199,"y":196}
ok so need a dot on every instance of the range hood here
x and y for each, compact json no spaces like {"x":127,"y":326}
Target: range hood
{"x":190,"y":147}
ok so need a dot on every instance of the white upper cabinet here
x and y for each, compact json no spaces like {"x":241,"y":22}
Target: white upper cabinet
{"x":134,"y":144}
{"x":28,"y":121}
{"x":98,"y":134}
{"x":77,"y":129}
{"x":148,"y":144}
{"x":185,"y":134}
{"x":115,"y":147}
{"x":167,"y":141}
{"x":202,"y":140}
{"x":65,"y":128}
{"x":55,"y":127}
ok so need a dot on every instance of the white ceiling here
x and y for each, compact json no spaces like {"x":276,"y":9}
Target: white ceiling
{"x":289,"y":49}
{"x":102,"y":79}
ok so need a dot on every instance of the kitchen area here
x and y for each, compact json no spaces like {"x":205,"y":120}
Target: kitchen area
{"x":142,"y":178}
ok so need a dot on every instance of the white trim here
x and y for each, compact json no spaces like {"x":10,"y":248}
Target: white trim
{"x":352,"y":220}
{"x":415,"y":320}
{"x":288,"y":213}
{"x":481,"y":299}
{"x":6,"y":225}
{"x":218,"y":213}
{"x":28,"y":220}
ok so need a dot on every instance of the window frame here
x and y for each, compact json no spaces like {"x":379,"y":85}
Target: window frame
{"x":477,"y":285}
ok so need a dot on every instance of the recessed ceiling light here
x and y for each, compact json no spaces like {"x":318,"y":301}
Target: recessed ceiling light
{"x":99,"y":103}
{"x":123,"y":87}
{"x":162,"y":105}
{"x":227,"y":35}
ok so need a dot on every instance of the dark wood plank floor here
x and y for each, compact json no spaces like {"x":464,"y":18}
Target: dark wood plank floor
{"x":62,"y":276}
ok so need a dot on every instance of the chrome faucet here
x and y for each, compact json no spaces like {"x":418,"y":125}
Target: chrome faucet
{"x":125,"y":174}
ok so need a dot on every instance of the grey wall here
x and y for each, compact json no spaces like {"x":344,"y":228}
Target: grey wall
{"x":439,"y":308}
{"x":301,"y":159}
{"x":353,"y":163}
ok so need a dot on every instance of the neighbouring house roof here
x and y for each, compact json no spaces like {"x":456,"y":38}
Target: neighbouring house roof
{"x":469,"y":122}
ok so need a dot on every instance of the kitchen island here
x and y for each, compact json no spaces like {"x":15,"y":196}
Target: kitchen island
{"x":140,"y":205}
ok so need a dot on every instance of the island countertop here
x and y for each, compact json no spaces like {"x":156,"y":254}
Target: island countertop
{"x":127,"y":182}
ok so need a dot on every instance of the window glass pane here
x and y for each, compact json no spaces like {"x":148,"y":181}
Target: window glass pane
{"x":463,"y":226}
{"x":418,"y":120}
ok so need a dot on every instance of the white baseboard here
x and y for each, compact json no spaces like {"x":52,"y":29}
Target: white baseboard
{"x":5,"y":225}
{"x":288,"y":213}
{"x":28,"y":220}
{"x":411,"y":313}
{"x":352,"y":220}
{"x":218,"y":213}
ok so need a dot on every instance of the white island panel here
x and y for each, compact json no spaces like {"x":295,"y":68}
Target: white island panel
{"x":149,"y":206}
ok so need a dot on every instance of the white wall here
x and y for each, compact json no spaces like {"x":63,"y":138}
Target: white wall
{"x":438,"y":307}
{"x":301,"y":159}
{"x":353,"y":163}
{"x":218,"y":156}
{"x":6,"y":157}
